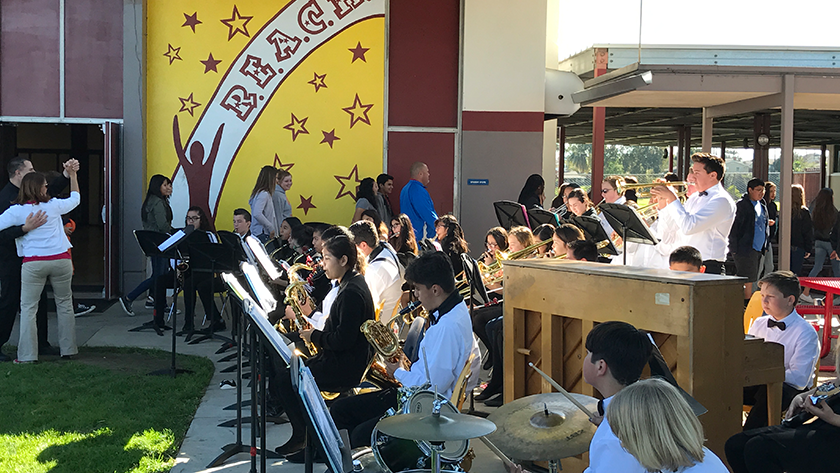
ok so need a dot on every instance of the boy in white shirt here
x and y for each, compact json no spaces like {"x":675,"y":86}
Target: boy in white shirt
{"x":384,"y":274}
{"x":616,"y":354}
{"x":782,"y":324}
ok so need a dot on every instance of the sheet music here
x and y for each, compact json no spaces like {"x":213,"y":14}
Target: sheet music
{"x":262,"y":258}
{"x":175,"y":238}
{"x":322,"y":421}
{"x":266,"y":299}
{"x":274,"y":338}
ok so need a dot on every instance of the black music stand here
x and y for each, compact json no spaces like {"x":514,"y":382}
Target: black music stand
{"x":257,"y":421}
{"x":511,"y":214}
{"x":478,"y":289}
{"x":539,"y":217}
{"x":211,"y":258}
{"x":592,"y":230}
{"x":629,"y":224}
{"x":168,"y":248}
{"x":149,"y":241}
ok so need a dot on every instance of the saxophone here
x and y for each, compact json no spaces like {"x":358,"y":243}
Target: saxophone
{"x":296,"y":295}
{"x":386,"y":344}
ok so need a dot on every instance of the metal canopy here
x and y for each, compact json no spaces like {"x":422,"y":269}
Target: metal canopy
{"x":644,"y":126}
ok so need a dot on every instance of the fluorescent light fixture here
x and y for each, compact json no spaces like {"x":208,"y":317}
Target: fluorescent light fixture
{"x":611,"y":88}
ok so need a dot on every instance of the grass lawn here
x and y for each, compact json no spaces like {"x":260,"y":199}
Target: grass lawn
{"x":100,"y":412}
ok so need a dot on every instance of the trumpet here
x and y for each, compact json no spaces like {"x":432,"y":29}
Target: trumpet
{"x":622,"y":187}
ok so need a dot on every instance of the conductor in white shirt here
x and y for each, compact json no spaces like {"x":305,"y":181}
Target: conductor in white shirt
{"x":445,"y":349}
{"x":616,"y":355}
{"x":782,"y":324}
{"x":384,"y":273}
{"x":706,"y":218}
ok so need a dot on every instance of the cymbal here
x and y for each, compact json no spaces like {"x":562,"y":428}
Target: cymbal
{"x":435,"y":428}
{"x":543,"y":427}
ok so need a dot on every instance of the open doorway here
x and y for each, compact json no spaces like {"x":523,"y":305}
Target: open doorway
{"x":50,"y":145}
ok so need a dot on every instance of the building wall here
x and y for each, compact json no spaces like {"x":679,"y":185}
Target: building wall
{"x":504,"y":74}
{"x":30,"y":58}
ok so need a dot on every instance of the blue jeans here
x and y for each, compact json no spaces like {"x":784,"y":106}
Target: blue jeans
{"x":822,"y":249}
{"x":797,"y":257}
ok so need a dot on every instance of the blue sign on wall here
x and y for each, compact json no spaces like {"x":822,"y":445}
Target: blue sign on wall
{"x":478,"y":182}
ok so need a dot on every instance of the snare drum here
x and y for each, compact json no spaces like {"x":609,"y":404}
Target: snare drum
{"x":421,"y":403}
{"x":397,"y":455}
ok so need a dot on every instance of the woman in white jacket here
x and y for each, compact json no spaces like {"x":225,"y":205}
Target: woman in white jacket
{"x":45,"y":256}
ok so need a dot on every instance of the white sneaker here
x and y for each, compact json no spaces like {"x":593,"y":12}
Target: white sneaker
{"x":806,"y":299}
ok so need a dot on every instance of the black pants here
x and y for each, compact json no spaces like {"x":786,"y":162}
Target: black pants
{"x":480,"y":317}
{"x":205,"y":284}
{"x":10,"y":306}
{"x":359,"y":414}
{"x":805,"y":449}
{"x":496,"y":334}
{"x":715,"y":267}
{"x":756,"y":396}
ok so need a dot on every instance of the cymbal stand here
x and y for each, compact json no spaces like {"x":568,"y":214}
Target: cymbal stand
{"x":554,"y":466}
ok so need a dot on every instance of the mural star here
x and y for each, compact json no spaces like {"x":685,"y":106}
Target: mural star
{"x":297,"y":127}
{"x":358,"y":112}
{"x":358,"y":52}
{"x":352,"y":179}
{"x":279,"y":164}
{"x":318,"y":82}
{"x":191,"y":20}
{"x":329,"y":137}
{"x":237,"y":24}
{"x":172,"y":54}
{"x":306,"y":204}
{"x":188,"y":104}
{"x":210,"y":64}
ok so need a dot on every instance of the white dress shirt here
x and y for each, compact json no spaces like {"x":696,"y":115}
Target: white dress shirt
{"x":710,"y":464}
{"x":448,"y":345}
{"x":384,"y":276}
{"x":802,"y":346}
{"x":318,"y":318}
{"x":606,"y":455}
{"x":604,"y":223}
{"x":704,"y":222}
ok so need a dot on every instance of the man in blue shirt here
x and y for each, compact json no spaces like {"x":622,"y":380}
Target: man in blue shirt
{"x":750,"y":234}
{"x":417,"y":204}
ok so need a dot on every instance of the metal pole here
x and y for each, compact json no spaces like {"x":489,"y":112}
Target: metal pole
{"x":786,"y":174}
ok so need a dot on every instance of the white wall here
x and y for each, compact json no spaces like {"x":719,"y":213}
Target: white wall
{"x":504,"y":54}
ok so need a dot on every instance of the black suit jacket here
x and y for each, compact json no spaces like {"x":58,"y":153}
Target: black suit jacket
{"x":343,"y":351}
{"x":743,"y":228}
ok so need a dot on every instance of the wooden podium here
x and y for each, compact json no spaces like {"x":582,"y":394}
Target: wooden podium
{"x":696,"y":319}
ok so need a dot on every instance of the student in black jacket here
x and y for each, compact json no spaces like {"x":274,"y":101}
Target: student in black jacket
{"x":343,"y":351}
{"x":749,"y":236}
{"x":10,"y":262}
{"x":801,"y":229}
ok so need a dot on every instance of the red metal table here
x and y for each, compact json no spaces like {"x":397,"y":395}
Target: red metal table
{"x":831,"y":287}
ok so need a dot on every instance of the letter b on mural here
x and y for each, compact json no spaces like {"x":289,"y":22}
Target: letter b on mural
{"x":234,"y":86}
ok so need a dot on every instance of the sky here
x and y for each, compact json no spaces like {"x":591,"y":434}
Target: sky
{"x":713,"y":22}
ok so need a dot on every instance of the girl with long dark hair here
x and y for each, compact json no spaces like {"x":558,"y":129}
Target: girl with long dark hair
{"x":532,"y":194}
{"x":365,"y":198}
{"x":450,"y":235}
{"x":825,"y":221}
{"x":156,"y":215}
{"x":343,"y":351}
{"x":801,"y":229}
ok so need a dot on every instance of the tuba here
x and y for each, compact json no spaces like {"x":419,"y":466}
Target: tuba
{"x":386,"y":344}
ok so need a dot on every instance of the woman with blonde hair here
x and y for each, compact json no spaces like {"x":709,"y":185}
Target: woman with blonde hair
{"x":519,"y":238}
{"x":801,"y":229}
{"x":655,"y":425}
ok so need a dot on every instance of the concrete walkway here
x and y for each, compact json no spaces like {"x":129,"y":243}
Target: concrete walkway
{"x":204,"y":438}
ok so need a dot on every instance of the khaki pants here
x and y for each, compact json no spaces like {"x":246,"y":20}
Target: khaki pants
{"x":34,"y":274}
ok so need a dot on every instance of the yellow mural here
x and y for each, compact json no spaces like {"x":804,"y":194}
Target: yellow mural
{"x":234,"y":86}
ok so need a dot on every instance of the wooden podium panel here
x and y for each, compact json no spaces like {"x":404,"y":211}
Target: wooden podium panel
{"x":551,"y":305}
